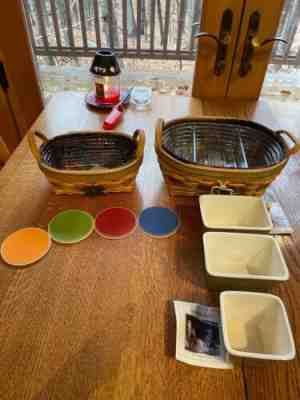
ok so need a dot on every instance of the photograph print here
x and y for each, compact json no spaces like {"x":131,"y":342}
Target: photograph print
{"x":202,"y":336}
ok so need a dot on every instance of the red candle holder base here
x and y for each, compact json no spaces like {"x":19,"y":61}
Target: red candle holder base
{"x":95,"y":102}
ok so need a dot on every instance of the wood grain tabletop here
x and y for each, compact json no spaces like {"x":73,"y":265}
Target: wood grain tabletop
{"x":95,"y":320}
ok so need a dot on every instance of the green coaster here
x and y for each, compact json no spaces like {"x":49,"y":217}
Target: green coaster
{"x":71,"y":226}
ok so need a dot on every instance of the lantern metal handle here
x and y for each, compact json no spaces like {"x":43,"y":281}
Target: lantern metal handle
{"x":223,"y":40}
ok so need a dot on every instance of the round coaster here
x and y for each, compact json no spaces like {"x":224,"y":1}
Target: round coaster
{"x":159,"y":222}
{"x":71,"y":226}
{"x":25,"y":246}
{"x":115,"y":222}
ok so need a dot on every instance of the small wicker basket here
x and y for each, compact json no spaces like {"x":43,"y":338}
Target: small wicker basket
{"x":220,"y":155}
{"x":89,"y":162}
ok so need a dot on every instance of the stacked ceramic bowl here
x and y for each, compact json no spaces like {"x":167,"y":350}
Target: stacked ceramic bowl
{"x":241,"y":255}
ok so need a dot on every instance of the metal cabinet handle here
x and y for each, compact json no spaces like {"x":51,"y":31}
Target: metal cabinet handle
{"x":267,"y":41}
{"x":209,"y":35}
{"x":252,"y":44}
{"x":222,"y":41}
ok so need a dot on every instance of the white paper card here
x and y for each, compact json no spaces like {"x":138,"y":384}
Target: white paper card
{"x":199,"y":339}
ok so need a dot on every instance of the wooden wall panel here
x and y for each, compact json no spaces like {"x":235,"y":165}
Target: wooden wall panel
{"x":24,"y":91}
{"x":8,"y":129}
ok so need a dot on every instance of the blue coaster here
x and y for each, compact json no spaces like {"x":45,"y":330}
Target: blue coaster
{"x":159,"y":222}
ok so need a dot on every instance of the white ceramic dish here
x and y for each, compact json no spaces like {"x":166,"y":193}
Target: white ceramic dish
{"x":256,"y":325}
{"x":243,"y":261}
{"x":243,"y":213}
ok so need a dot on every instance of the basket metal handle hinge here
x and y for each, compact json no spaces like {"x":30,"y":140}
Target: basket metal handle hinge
{"x":221,"y":189}
{"x":96,"y":190}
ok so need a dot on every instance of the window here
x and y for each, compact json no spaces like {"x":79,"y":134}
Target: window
{"x":154,"y":38}
{"x":66,"y":33}
{"x":283,"y":76}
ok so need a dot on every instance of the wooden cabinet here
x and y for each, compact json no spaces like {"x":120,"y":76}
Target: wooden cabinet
{"x":21,"y":102}
{"x":9,"y":131}
{"x":259,"y":25}
{"x":239,"y":38}
{"x":208,"y":80}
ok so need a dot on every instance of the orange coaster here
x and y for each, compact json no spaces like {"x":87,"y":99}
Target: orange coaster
{"x":25,"y":246}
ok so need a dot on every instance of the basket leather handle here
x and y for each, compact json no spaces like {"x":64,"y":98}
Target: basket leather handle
{"x":158,"y":132}
{"x":296,"y":147}
{"x":139,"y":138}
{"x":33,"y":145}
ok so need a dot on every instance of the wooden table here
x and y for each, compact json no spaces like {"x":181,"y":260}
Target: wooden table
{"x":95,"y":320}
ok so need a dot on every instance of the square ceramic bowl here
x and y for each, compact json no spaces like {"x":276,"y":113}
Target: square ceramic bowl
{"x":243,"y":261}
{"x":256,"y":326}
{"x":243,"y":213}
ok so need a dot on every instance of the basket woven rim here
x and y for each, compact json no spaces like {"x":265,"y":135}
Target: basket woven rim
{"x":197,"y":167}
{"x":217,"y":119}
{"x":84,"y":132}
{"x":98,"y":170}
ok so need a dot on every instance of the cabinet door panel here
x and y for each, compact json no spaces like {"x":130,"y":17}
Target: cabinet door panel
{"x":249,"y":85}
{"x":206,"y":82}
{"x":15,"y":50}
{"x":8,"y":129}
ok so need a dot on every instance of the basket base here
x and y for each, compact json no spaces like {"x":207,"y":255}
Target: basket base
{"x":197,"y":189}
{"x":91,"y":190}
{"x":187,"y":192}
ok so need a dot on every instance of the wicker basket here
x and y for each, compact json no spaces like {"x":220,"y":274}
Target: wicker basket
{"x":89,"y":162}
{"x":220,"y":155}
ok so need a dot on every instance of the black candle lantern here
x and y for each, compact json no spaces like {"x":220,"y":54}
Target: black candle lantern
{"x":106,"y":71}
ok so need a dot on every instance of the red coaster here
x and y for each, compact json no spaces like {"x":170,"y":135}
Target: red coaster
{"x":115,"y":222}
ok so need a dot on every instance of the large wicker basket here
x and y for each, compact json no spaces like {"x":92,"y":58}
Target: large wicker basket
{"x":89,"y":162}
{"x":220,"y":155}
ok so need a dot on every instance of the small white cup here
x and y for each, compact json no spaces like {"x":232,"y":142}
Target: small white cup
{"x":227,"y":212}
{"x":256,"y":326}
{"x":243,"y":261}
